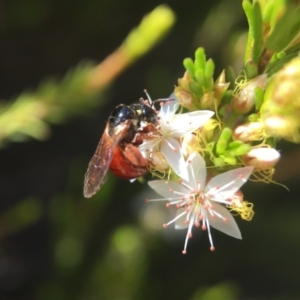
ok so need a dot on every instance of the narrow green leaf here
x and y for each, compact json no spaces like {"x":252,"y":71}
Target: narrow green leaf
{"x":257,"y":32}
{"x":242,"y":150}
{"x":259,"y":97}
{"x":285,"y":29}
{"x":230,"y":160}
{"x":223,"y":140}
{"x":208,"y":74}
{"x":199,"y":76}
{"x":189,"y":66}
{"x":234,"y":144}
{"x":248,"y":9}
{"x":195,"y":89}
{"x":200,"y":58}
{"x":251,"y":69}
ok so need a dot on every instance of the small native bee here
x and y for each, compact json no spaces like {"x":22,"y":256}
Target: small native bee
{"x":117,"y":149}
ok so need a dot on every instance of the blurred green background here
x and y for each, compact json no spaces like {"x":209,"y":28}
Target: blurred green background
{"x":57,"y":245}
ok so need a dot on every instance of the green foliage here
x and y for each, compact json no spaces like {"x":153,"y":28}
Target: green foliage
{"x":273,"y":32}
{"x":79,"y":91}
{"x":152,"y":28}
{"x":255,"y":34}
{"x":201,"y":73}
{"x":53,"y":102}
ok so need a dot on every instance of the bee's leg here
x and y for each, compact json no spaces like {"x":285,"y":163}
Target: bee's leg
{"x":134,"y":155}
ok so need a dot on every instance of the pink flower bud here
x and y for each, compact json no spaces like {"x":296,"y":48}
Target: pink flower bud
{"x":251,"y":131}
{"x":186,"y":99}
{"x":261,"y":158}
{"x":244,"y":100}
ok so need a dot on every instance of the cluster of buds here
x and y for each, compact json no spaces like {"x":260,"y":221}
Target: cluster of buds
{"x":235,"y":124}
{"x":197,"y":89}
{"x":212,"y":139}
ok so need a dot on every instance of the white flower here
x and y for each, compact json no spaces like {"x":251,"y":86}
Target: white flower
{"x":171,"y":128}
{"x":199,"y":200}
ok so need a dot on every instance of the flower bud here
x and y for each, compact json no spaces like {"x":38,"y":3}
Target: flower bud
{"x":184,"y":82}
{"x":261,"y":158}
{"x":242,"y":207}
{"x":208,"y":101}
{"x":185,"y":99}
{"x":220,"y":86}
{"x":280,"y":111}
{"x":252,"y":131}
{"x":244,"y":100}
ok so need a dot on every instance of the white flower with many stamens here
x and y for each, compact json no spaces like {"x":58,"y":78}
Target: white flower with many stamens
{"x":200,"y":201}
{"x":171,"y":128}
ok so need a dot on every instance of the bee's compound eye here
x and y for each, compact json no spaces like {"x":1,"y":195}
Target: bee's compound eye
{"x":149,"y":114}
{"x":145,"y":113}
{"x":122,"y":113}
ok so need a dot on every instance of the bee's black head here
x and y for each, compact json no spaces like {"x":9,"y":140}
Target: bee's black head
{"x":145,"y":113}
{"x":122,"y":113}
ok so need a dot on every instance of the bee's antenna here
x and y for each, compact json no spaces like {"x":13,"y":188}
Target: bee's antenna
{"x":148,"y":97}
{"x":152,"y":102}
{"x":163,"y":100}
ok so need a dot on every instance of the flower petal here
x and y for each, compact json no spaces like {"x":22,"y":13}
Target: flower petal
{"x":229,"y":226}
{"x":223,"y":186}
{"x":188,"y":122}
{"x":196,"y":167}
{"x":168,"y":189}
{"x":170,"y":149}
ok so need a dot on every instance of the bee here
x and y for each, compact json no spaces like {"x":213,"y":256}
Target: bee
{"x":117,"y":149}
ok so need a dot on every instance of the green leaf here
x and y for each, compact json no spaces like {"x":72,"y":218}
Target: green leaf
{"x":235,"y":144}
{"x":199,"y":76}
{"x":223,"y":140}
{"x":241,"y":150}
{"x":284,"y":30}
{"x":255,"y":35}
{"x":251,"y":69}
{"x":276,"y":66}
{"x":200,"y":58}
{"x":259,"y":97}
{"x":208,"y":74}
{"x":248,"y":9}
{"x":195,"y":88}
{"x":189,"y":66}
{"x":257,"y":32}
